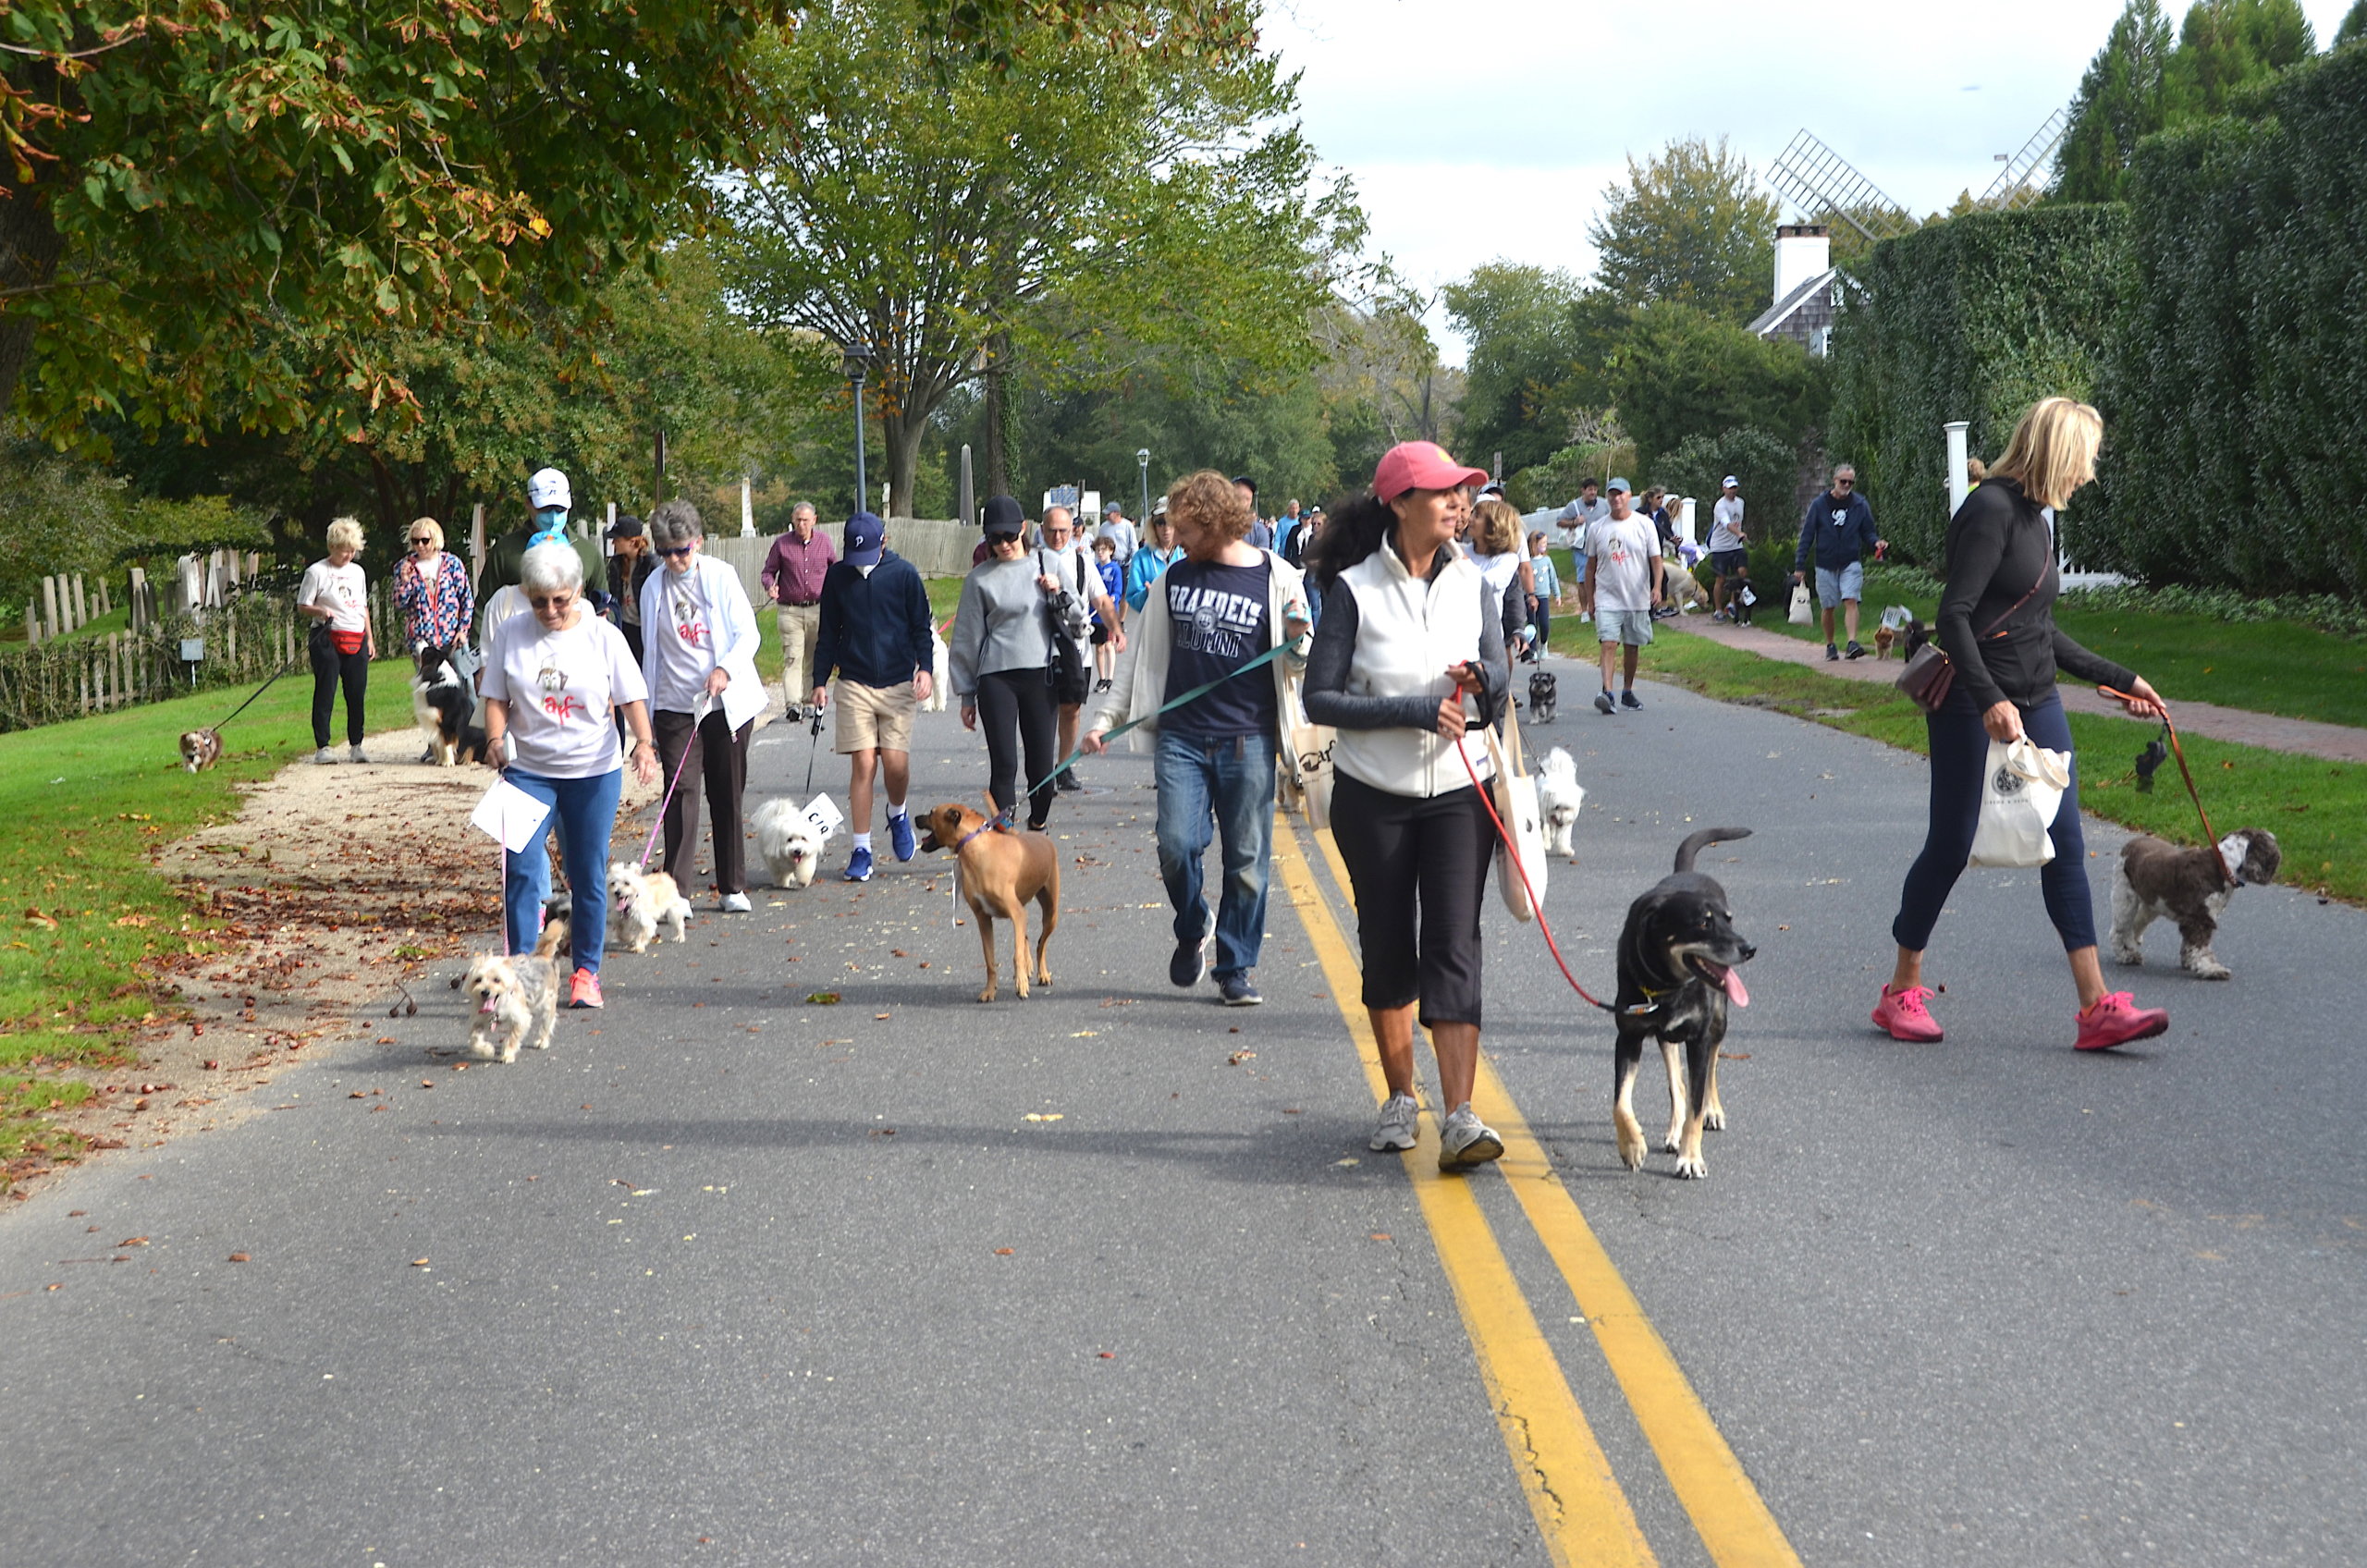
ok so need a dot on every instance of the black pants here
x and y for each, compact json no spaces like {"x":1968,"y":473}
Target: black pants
{"x":719,"y":757}
{"x":330,"y":669}
{"x":1420,"y":868}
{"x":1015,"y":709}
{"x":1959,"y":766}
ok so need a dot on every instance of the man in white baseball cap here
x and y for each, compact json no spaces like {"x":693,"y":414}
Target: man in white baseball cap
{"x":548,"y":497}
{"x":1729,"y":545}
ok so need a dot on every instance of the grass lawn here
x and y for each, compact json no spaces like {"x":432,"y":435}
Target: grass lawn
{"x":2312,"y":806}
{"x":89,"y":799}
{"x":2278,"y":666}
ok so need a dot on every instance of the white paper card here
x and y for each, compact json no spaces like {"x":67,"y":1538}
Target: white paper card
{"x":824,"y":813}
{"x":511,"y":814}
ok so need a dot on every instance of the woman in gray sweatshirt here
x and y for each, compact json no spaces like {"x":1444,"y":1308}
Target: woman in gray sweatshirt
{"x":999,"y":653}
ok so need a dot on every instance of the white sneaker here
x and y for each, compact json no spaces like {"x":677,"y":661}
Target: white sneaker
{"x":735,"y":903}
{"x":1465,"y":1141}
{"x":353,"y":754}
{"x":1397,"y":1128}
{"x":324,"y":756}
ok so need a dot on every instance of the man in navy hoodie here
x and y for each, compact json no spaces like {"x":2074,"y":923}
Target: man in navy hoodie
{"x":1838,"y":533}
{"x":874,"y":634}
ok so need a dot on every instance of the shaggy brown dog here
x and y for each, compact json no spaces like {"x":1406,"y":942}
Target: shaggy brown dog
{"x":999,"y":869}
{"x":200,"y":749}
{"x":2160,"y":879}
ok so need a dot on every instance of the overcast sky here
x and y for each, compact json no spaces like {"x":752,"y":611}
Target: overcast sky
{"x":1484,"y":129}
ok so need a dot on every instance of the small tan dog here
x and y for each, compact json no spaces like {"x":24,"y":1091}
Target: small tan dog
{"x":641,"y":904}
{"x":999,"y":869}
{"x":514,"y":997}
{"x":200,"y":749}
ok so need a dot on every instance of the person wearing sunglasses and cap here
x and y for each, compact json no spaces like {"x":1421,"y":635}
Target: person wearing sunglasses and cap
{"x":1837,"y":534}
{"x":1410,"y":634}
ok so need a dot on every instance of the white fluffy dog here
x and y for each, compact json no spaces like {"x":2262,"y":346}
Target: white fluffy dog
{"x":515,"y":995}
{"x":642,"y":902}
{"x":788,"y":842}
{"x":940,"y":666}
{"x":1559,"y":796}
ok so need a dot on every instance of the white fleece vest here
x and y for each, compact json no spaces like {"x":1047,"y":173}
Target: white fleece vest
{"x":1408,"y":632}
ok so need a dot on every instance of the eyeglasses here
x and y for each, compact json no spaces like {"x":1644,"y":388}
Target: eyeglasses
{"x":677,"y":550}
{"x":550,"y":601}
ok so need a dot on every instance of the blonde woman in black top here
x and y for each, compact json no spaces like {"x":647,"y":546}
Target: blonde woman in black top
{"x":1997,"y":624}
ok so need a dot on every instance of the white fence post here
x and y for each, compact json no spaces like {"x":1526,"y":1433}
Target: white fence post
{"x":1959,"y":484}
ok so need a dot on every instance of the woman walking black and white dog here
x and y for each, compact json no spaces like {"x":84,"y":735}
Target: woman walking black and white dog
{"x":1410,"y":631}
{"x":1997,"y":624}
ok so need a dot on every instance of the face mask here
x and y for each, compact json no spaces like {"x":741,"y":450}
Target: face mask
{"x":551,"y":522}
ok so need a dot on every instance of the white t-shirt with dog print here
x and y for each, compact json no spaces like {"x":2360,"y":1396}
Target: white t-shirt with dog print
{"x":341,"y":590}
{"x":563,"y":689}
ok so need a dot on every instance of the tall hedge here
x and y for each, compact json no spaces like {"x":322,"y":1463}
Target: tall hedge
{"x":1973,"y":319}
{"x":2236,"y":393}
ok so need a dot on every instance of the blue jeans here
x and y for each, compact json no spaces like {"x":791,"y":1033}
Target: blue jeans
{"x":1224,"y":787}
{"x":586,"y":808}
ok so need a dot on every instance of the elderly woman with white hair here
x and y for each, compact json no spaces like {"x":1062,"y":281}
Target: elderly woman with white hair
{"x":699,"y":639}
{"x":336,"y":596}
{"x":554,"y":683}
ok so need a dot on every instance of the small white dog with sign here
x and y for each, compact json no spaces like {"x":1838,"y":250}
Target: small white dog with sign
{"x":790,"y":838}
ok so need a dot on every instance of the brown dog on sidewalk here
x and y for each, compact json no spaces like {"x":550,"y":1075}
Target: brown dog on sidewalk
{"x":999,"y":869}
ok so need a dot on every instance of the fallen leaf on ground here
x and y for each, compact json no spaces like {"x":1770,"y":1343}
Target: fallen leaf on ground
{"x":1381,"y":1235}
{"x":133,"y":1242}
{"x":823,"y":998}
{"x":418,"y":1263}
{"x":1046,"y":1116}
{"x":1002,"y":1252}
{"x":238,"y":1257}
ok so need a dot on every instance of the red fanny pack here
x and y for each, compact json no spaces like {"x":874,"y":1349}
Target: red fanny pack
{"x":346,"y":642}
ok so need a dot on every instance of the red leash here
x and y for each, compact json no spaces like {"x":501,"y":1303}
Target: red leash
{"x":1512,"y":855}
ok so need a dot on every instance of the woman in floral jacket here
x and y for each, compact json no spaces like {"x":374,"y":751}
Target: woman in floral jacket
{"x":432,"y":590}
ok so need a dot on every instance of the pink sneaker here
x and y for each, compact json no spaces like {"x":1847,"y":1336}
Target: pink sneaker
{"x":584,"y":992}
{"x":2114,"y":1020}
{"x":1903,"y":1014}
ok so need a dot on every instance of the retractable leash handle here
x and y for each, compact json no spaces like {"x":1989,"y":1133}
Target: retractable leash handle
{"x":2210,"y":835}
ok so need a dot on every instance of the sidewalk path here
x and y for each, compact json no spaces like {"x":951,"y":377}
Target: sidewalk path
{"x":2336,"y":742}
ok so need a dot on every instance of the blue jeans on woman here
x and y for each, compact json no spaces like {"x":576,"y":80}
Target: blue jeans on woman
{"x":586,"y":812}
{"x":1217,"y":786}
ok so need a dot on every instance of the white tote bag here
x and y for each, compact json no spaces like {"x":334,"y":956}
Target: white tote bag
{"x":1800,"y":615}
{"x":1516,"y":795}
{"x":1310,"y":762}
{"x":2019,"y":795}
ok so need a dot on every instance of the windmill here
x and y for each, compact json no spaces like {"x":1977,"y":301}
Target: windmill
{"x":2014,"y":188}
{"x":1821,"y":182}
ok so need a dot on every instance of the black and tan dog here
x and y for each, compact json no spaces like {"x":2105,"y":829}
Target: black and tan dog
{"x":1678,"y":956}
{"x":999,"y":869}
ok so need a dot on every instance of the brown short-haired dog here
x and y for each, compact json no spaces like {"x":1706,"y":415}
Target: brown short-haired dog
{"x":999,"y":869}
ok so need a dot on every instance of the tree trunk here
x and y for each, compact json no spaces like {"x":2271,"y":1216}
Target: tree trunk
{"x":999,"y":413}
{"x":902,"y":434}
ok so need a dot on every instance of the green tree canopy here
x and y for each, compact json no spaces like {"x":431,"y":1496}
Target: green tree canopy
{"x":2122,"y":98}
{"x":1540,"y":345}
{"x":1691,"y":226}
{"x":2227,"y":45}
{"x":1684,"y":372}
{"x":2354,"y":25}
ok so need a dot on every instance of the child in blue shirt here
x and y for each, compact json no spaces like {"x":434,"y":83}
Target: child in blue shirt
{"x":1113,"y":582}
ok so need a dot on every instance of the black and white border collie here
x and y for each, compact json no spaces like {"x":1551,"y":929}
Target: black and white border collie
{"x":442,"y":701}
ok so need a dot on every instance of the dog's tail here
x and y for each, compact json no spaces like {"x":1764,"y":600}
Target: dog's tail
{"x":554,"y":937}
{"x":1695,"y":843}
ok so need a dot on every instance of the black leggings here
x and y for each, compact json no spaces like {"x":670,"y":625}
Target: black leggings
{"x":1959,"y":761}
{"x":351,"y":670}
{"x":1418,"y":868}
{"x":1015,"y":708}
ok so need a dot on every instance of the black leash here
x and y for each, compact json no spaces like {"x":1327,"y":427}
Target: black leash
{"x":811,"y":751}
{"x":257,"y":693}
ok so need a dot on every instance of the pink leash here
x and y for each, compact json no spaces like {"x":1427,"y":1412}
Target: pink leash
{"x":698,"y":717}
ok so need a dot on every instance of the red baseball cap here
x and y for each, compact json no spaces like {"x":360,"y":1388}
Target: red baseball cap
{"x":1421,"y":465}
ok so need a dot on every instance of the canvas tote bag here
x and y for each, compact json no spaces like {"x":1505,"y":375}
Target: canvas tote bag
{"x":1309,"y":747}
{"x":1515,"y":796}
{"x":2019,"y":796}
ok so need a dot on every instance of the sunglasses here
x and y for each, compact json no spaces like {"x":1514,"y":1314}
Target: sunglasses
{"x":550,"y":601}
{"x":1845,"y":485}
{"x":678,"y":550}
{"x":420,"y":539}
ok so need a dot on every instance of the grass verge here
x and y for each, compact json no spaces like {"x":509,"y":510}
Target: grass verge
{"x":86,"y":923}
{"x":2308,"y":802}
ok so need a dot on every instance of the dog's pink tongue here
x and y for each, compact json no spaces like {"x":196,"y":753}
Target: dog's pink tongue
{"x":1737,"y":991}
{"x":488,"y":1005}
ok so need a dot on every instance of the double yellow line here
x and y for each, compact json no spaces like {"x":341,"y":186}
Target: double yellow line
{"x":1577,"y":1500}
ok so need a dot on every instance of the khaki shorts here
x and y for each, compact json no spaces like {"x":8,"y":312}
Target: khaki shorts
{"x":871,"y":718}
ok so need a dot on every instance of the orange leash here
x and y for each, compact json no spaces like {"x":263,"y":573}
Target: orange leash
{"x":2210,"y":835}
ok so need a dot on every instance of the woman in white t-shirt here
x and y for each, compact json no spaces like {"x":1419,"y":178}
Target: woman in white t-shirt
{"x":335,"y":597}
{"x":555,"y":681}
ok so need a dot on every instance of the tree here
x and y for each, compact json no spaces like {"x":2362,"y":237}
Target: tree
{"x":927,"y":204}
{"x":1539,"y":342}
{"x":1691,"y":226}
{"x":1682,"y":373}
{"x":2122,"y":98}
{"x":2227,"y":46}
{"x":2354,"y":25}
{"x":205,"y":197}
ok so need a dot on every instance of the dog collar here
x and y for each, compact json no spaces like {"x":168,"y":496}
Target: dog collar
{"x":999,"y":822}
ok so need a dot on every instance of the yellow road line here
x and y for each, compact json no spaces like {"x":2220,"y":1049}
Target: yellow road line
{"x":1579,"y":1509}
{"x":1735,"y":1523}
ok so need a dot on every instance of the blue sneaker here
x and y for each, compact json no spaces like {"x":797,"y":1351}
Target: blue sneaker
{"x":899,"y":833}
{"x":859,"y":866}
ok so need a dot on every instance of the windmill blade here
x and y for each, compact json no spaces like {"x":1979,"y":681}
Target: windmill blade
{"x":2014,"y":188}
{"x":1822,"y":183}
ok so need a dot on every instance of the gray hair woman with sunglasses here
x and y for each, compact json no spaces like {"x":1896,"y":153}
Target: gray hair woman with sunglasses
{"x":555,"y":681}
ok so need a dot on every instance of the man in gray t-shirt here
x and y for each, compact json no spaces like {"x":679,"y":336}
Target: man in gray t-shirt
{"x":1575,"y":518}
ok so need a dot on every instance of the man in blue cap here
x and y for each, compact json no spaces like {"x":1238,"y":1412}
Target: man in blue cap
{"x":874,"y":634}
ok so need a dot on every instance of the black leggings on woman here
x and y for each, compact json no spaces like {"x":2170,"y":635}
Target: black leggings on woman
{"x":1959,"y":761}
{"x":1015,"y":708}
{"x":331,"y":669}
{"x":1418,"y":866}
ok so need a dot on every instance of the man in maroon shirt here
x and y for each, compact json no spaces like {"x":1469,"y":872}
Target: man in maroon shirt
{"x":792,"y":580}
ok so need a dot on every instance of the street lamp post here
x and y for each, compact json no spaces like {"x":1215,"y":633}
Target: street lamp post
{"x":855,"y":358}
{"x":1141,"y":459}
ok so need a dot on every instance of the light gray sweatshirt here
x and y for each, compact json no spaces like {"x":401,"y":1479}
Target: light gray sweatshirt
{"x":1000,"y":624}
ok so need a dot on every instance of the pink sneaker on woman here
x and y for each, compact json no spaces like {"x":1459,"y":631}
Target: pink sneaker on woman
{"x":584,"y":989}
{"x":2114,"y":1020}
{"x":1903,"y":1014}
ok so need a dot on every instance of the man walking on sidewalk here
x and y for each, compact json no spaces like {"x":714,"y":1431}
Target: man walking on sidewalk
{"x":1577,"y":519}
{"x":1729,"y":545}
{"x":873,"y":633}
{"x":1624,"y":563}
{"x":792,"y":580}
{"x":1838,"y":534}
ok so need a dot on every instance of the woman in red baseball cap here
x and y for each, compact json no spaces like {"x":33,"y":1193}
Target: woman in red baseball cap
{"x":1410,"y":631}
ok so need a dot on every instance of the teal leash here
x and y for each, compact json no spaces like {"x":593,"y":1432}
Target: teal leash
{"x":1195,"y":695}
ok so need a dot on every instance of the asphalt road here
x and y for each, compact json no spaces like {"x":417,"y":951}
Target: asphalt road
{"x":732,"y":1275}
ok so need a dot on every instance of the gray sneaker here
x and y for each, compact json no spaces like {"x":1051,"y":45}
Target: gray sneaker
{"x":1397,"y":1128}
{"x":1465,"y":1141}
{"x":353,"y":754}
{"x":324,"y":757}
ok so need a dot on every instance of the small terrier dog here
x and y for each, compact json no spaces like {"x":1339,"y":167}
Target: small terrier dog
{"x":642,"y":902}
{"x":515,"y":995}
{"x":788,"y":842}
{"x":200,"y":749}
{"x":2158,"y":879}
{"x":1544,"y":696}
{"x":1559,"y":796}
